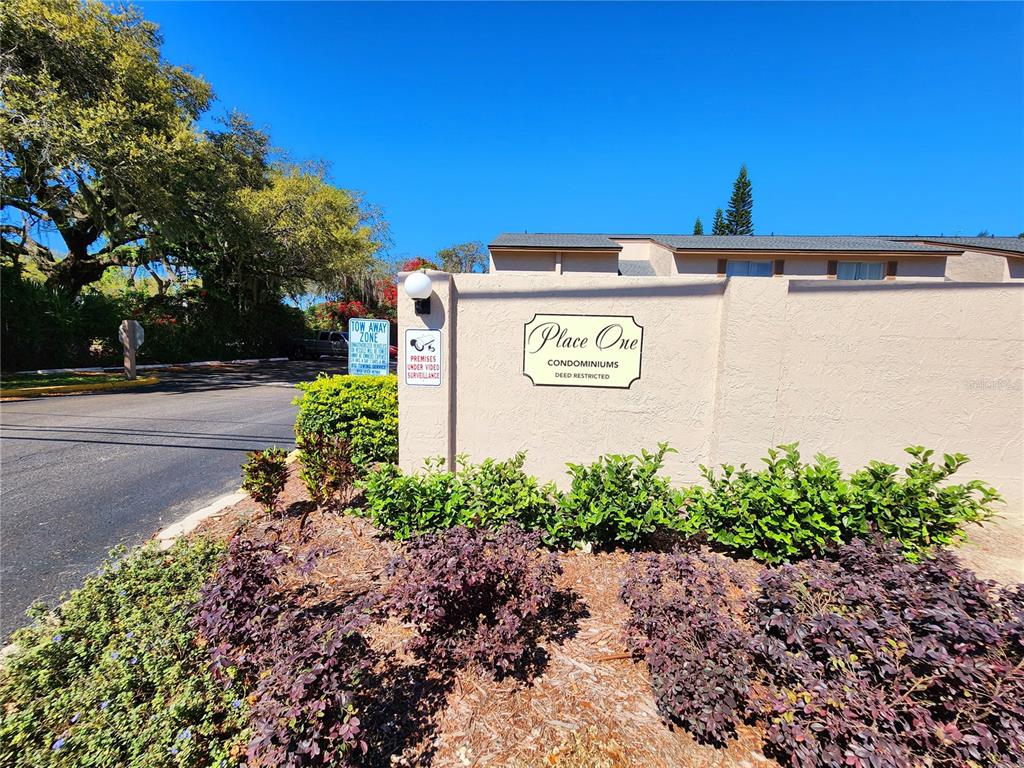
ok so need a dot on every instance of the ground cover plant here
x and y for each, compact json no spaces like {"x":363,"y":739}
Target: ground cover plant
{"x":301,"y":664}
{"x":361,"y":409}
{"x":263,"y":476}
{"x":487,"y":495}
{"x":682,"y":624}
{"x":113,"y":676}
{"x":475,"y":595}
{"x":863,"y":659}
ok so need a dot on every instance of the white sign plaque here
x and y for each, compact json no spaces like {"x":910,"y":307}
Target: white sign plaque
{"x":582,"y":350}
{"x":422,"y":358}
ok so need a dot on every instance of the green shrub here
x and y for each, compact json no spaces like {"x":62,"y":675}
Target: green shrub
{"x":791,"y":510}
{"x":325,"y":466}
{"x":409,"y":505}
{"x":914,"y":509}
{"x":114,"y":676}
{"x":361,"y":409}
{"x":477,"y":496}
{"x":500,"y":492}
{"x":787,"y":511}
{"x":617,"y":500}
{"x":264,"y":475}
{"x":193,"y":323}
{"x":41,"y":328}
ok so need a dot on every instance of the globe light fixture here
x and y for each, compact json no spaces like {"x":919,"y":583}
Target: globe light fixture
{"x":418,"y":288}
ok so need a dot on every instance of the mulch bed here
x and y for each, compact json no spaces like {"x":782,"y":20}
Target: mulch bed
{"x":585,"y":684}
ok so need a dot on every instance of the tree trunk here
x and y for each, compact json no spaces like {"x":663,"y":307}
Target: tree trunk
{"x":72,"y":273}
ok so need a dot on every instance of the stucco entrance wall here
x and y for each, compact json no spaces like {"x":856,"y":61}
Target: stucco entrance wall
{"x":559,"y":424}
{"x":730,"y":368}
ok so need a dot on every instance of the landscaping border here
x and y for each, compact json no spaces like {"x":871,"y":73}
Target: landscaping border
{"x":72,"y":389}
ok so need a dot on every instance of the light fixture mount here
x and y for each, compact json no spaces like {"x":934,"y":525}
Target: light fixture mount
{"x":418,"y":287}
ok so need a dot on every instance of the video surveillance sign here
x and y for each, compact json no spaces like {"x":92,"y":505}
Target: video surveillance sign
{"x":422,"y":358}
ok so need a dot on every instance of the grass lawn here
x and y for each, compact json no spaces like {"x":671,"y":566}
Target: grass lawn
{"x":17,"y":381}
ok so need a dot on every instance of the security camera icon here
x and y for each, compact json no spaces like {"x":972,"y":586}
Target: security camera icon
{"x":421,"y":345}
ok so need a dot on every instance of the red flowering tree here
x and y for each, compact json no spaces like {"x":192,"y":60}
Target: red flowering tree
{"x":387,"y":292}
{"x":418,"y":263}
{"x":336,"y":314}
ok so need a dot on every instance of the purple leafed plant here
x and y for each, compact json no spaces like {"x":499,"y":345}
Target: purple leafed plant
{"x":475,"y":595}
{"x":302,"y":665}
{"x":861,"y":660}
{"x":303,"y":713}
{"x":240,"y":606}
{"x":696,"y":652}
{"x":872,"y":660}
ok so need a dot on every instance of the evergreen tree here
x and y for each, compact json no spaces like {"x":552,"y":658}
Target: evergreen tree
{"x":698,"y":227}
{"x":718,"y":227}
{"x":739,"y":220}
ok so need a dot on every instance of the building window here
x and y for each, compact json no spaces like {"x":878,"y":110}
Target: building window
{"x":748,"y":268}
{"x":860,"y":270}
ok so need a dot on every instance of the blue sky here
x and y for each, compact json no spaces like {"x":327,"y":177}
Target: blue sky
{"x":466,"y":120}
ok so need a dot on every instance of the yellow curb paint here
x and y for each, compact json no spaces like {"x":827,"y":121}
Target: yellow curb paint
{"x":70,"y":389}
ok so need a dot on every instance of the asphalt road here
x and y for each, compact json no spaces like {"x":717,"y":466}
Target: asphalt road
{"x":82,"y":473}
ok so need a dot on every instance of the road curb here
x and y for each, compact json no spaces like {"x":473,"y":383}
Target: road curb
{"x":72,"y":389}
{"x":166,"y":537}
{"x":159,"y":366}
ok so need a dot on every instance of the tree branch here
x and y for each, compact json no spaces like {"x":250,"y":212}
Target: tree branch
{"x":27,"y":246}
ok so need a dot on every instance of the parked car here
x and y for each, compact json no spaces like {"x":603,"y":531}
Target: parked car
{"x":324,"y":344}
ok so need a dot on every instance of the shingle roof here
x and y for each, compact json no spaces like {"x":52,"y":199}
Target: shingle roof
{"x":636,"y":268}
{"x":790,"y":243}
{"x":568,"y":242}
{"x":1015,"y":244}
{"x":736,"y":242}
{"x":885,"y":243}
